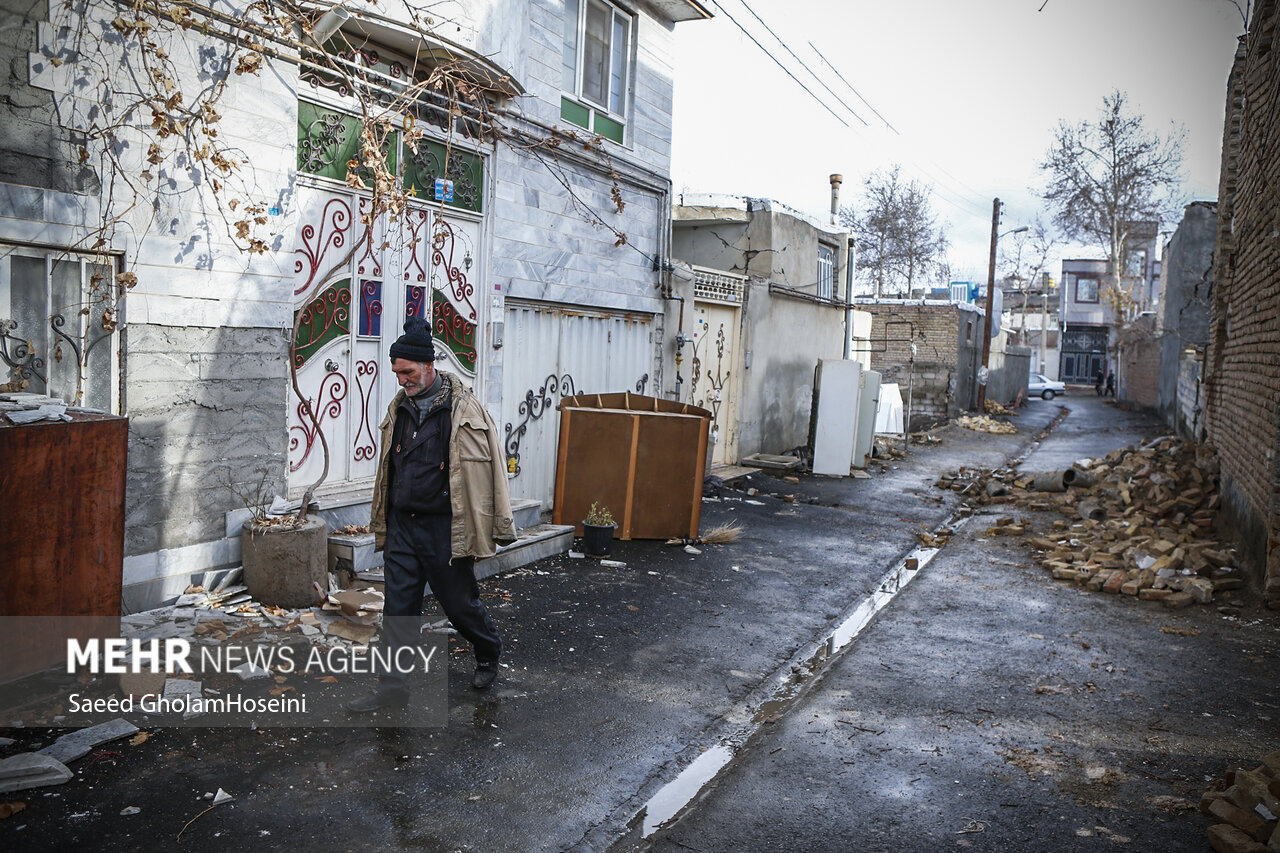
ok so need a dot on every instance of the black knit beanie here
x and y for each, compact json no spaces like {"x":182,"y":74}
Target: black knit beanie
{"x":415,"y":343}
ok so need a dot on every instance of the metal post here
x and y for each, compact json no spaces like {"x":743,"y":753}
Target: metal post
{"x":906,"y":421}
{"x":986,"y":325}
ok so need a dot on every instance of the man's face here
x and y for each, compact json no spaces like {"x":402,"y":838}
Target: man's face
{"x":414,"y":377}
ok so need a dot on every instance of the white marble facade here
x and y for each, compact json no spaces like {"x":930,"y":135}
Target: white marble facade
{"x":548,"y":234}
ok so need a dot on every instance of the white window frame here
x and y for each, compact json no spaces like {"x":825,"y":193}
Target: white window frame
{"x":826,"y":271}
{"x":76,"y":380}
{"x":618,"y":77}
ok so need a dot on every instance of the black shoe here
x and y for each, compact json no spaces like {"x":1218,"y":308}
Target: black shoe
{"x":394,"y":697}
{"x":486,"y":674}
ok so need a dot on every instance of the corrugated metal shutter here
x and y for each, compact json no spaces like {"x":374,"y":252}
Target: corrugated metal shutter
{"x":552,"y":353}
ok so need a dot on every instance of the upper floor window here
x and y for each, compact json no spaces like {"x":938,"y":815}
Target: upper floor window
{"x":826,"y":271}
{"x":596,"y":66}
{"x":1086,"y":290}
{"x":1135,"y":263}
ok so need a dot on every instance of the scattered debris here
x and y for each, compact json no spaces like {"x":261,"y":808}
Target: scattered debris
{"x":985,"y":423}
{"x":77,"y":744}
{"x":1137,"y":522}
{"x":994,"y":408}
{"x":31,"y":770}
{"x":1246,"y":802}
{"x":613,"y":564}
{"x":130,"y":810}
{"x":222,"y":797}
{"x":352,"y":530}
{"x":11,"y":809}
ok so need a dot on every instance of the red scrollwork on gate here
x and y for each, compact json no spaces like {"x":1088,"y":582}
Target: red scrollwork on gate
{"x":335,"y":221}
{"x":415,"y":220}
{"x":364,"y":449}
{"x":333,"y":390}
{"x":443,"y":243}
{"x":374,"y":266}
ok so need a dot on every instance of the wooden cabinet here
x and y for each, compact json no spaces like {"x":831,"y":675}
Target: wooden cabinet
{"x":61,"y":537}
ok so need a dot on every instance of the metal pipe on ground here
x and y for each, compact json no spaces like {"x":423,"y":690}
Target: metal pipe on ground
{"x":1057,"y":481}
{"x":1091,"y":509}
{"x":1050,"y":481}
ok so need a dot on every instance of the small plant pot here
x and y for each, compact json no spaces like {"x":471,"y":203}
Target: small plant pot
{"x":282,"y":564}
{"x":597,"y":539}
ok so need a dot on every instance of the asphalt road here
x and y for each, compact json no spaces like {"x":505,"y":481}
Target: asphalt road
{"x":617,"y":679}
{"x":989,"y":707}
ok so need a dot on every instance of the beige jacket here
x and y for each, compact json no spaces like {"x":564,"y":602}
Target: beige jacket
{"x":477,"y":478}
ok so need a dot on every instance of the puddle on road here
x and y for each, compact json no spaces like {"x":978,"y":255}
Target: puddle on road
{"x":673,"y":796}
{"x":671,"y":799}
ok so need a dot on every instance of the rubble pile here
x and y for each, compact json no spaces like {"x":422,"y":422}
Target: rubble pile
{"x":986,"y":423}
{"x":1245,"y":802}
{"x":1139,"y":521}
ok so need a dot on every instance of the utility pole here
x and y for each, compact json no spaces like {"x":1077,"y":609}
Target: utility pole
{"x":1044,"y":322}
{"x":986,"y":324}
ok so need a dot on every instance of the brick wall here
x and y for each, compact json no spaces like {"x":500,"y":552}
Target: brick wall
{"x":1242,"y":381}
{"x":945,"y":338}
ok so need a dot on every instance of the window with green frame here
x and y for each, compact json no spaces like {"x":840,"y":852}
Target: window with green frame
{"x":328,"y":139}
{"x":596,"y":66}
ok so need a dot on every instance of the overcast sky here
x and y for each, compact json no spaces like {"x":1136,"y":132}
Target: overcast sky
{"x":972,"y":89}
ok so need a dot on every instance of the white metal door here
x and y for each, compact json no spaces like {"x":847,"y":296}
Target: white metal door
{"x":714,"y":375}
{"x":553,"y":353}
{"x":424,"y":267}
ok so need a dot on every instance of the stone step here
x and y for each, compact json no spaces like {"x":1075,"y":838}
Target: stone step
{"x":532,"y":544}
{"x":527,"y":513}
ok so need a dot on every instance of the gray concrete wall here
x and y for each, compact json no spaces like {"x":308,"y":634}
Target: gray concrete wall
{"x":1189,"y":413}
{"x":206,"y":414}
{"x":784,"y":338}
{"x":1009,"y":370}
{"x":1188,"y":280}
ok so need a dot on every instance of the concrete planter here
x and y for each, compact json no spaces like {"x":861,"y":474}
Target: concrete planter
{"x":282,"y":564}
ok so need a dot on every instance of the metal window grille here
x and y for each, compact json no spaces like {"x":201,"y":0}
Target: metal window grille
{"x":826,"y":271}
{"x":717,"y":285}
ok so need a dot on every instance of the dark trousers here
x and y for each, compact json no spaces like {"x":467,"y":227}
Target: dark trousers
{"x":417,"y":555}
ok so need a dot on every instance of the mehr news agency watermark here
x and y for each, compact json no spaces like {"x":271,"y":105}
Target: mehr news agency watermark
{"x":230,"y":684}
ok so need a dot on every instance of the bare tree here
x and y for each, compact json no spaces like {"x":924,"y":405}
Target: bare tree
{"x":1024,"y":262}
{"x":896,"y":232}
{"x":1107,"y":175}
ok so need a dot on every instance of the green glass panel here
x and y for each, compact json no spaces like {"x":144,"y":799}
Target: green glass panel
{"x":328,"y":139}
{"x":457,"y":333}
{"x":608,"y":128}
{"x":433,"y":160}
{"x":324,"y":319}
{"x":576,"y":113}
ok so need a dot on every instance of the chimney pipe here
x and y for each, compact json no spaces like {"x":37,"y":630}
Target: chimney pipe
{"x":836,"y":180}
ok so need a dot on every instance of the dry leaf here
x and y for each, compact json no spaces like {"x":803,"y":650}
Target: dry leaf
{"x":140,"y":737}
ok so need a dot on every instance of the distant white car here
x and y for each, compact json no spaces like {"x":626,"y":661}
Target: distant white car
{"x":1039,"y":386}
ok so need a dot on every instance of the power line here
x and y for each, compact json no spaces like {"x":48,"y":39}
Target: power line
{"x":940,"y":189}
{"x":788,"y":49}
{"x":779,"y":64}
{"x":827,"y":62}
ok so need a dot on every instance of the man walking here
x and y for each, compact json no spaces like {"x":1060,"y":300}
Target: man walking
{"x":439,"y":501}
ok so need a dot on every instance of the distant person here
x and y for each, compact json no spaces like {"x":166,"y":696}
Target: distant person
{"x":1111,"y":384}
{"x":1097,"y":382}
